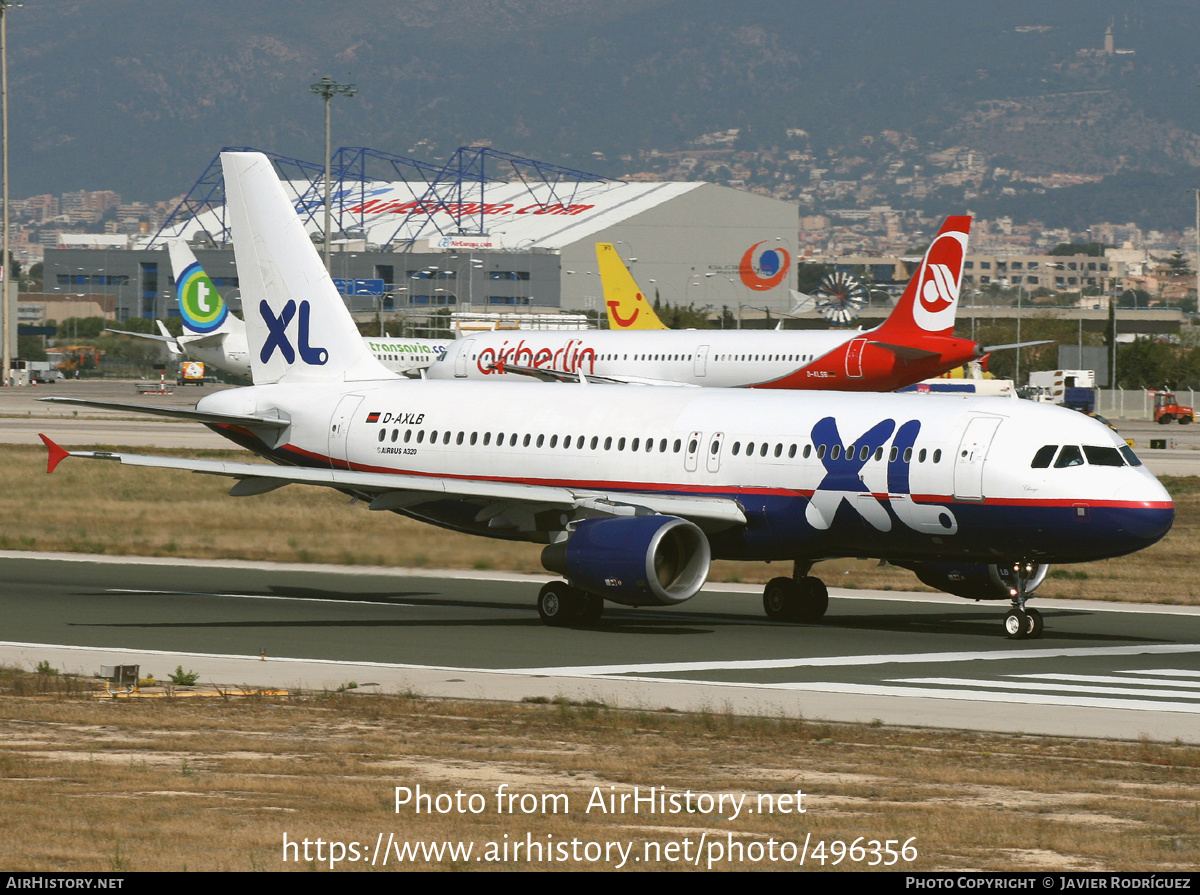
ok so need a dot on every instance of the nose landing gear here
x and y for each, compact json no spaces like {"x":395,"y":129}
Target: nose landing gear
{"x":1022,"y":623}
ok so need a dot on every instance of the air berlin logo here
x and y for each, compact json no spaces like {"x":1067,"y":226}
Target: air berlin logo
{"x":765,"y":272}
{"x":937,"y":291}
{"x":200,"y":305}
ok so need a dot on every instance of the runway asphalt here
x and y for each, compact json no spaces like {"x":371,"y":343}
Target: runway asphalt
{"x":1101,"y":670}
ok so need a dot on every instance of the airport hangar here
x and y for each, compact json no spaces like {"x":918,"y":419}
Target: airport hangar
{"x":414,"y":237}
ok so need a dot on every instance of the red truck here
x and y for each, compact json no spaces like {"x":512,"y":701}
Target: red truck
{"x":1167,"y":409}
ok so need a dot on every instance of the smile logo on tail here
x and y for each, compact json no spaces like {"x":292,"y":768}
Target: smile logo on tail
{"x":200,"y":305}
{"x":615,"y":308}
{"x":766,"y":271}
{"x":937,"y":290}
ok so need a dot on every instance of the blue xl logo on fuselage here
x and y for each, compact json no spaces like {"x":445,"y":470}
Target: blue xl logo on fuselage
{"x":843,"y":480}
{"x":277,"y":335}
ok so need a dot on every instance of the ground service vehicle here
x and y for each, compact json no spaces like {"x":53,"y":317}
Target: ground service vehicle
{"x":1167,"y":409}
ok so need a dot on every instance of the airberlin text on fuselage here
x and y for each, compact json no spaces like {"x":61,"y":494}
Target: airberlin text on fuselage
{"x":379,"y":206}
{"x":571,"y":358}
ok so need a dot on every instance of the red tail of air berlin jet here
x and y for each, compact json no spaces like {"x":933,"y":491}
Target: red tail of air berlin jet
{"x":917,"y":340}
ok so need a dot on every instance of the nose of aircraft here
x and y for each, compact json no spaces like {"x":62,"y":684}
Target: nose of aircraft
{"x":1151,"y":512}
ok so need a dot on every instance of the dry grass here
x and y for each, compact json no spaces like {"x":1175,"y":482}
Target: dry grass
{"x":214,"y":784}
{"x":91,"y":507}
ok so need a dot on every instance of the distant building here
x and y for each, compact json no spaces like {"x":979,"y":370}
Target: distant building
{"x":521,"y":246}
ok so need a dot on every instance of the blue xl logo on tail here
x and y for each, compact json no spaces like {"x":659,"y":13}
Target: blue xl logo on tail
{"x":277,"y":335}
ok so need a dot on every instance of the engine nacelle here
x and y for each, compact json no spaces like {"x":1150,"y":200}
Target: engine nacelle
{"x":975,"y":581}
{"x":634,"y":560}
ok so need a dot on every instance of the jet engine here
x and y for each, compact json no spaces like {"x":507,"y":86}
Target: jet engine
{"x":634,"y":560}
{"x":974,"y":581}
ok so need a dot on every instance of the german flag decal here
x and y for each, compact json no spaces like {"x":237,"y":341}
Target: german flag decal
{"x":373,"y":416}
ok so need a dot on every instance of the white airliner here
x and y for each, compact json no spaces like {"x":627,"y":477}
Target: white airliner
{"x":215,"y":336}
{"x":634,"y":491}
{"x":916,"y":342}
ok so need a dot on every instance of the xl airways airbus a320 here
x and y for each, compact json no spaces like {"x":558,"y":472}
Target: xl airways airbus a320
{"x":634,"y":491}
{"x":916,"y":342}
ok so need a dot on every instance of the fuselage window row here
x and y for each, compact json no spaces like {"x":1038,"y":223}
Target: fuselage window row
{"x":537,"y":441}
{"x":863,"y":452}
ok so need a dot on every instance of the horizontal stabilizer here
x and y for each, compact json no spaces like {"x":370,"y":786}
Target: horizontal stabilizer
{"x":212,"y":340}
{"x":991,"y":348}
{"x":908,"y":352}
{"x":182,"y":413}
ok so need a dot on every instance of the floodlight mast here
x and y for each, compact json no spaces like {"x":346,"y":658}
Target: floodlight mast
{"x":327,"y":87}
{"x":6,"y":362}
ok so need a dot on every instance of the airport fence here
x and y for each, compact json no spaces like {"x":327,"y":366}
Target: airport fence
{"x":1133,"y":403}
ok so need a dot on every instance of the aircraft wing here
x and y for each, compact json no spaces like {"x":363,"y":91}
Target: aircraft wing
{"x":153,"y":337}
{"x":388,"y":491}
{"x":548,"y":375}
{"x":167,"y":340}
{"x":182,"y":413}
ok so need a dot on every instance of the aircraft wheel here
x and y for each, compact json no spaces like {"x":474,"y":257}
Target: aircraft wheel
{"x":1033,"y":624}
{"x":591,"y":609}
{"x":779,"y":599}
{"x":557,"y":604}
{"x":813,"y":600}
{"x":1015,"y":624}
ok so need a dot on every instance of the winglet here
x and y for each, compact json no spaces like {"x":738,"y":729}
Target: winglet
{"x":56,"y":456}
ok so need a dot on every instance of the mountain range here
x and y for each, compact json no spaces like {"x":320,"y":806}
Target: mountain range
{"x":137,"y":95}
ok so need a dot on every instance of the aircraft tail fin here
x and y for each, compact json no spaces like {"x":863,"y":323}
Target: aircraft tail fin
{"x":930,"y":302}
{"x":627,"y":306}
{"x":201,"y":307}
{"x":297,"y":326}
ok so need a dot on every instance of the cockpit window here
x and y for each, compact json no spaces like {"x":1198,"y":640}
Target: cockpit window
{"x":1102,"y":456}
{"x":1130,"y":457}
{"x":1069,"y":456}
{"x":1041,"y":460}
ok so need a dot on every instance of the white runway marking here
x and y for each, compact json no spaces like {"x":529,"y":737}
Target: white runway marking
{"x":847,"y":661}
{"x":1025,"y":686}
{"x":1016,"y":696}
{"x":1117,"y":679}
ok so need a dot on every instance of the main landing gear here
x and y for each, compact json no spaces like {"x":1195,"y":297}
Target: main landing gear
{"x":562,"y":606}
{"x":1022,"y":622}
{"x":801,"y":598}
